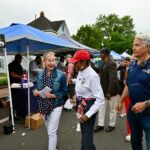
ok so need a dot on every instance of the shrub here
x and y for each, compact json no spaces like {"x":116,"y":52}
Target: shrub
{"x":3,"y":81}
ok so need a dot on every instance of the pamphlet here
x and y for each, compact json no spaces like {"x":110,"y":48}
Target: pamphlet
{"x":44,"y":91}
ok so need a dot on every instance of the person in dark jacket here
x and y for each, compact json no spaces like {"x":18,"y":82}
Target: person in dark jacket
{"x":109,"y":82}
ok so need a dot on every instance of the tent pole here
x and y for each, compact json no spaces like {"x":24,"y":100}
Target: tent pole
{"x":28,"y":85}
{"x":9,"y":89}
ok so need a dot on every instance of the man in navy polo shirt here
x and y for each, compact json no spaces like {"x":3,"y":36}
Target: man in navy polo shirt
{"x":138,"y":89}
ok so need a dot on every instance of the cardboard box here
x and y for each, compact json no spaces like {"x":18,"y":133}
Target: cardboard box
{"x":36,"y":121}
{"x":5,"y":103}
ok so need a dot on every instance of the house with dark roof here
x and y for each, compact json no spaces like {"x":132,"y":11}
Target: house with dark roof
{"x":55,"y":27}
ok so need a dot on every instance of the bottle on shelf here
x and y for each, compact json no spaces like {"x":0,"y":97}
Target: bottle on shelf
{"x":24,"y":80}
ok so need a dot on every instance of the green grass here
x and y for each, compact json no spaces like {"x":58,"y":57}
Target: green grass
{"x":3,"y":79}
{"x":3,"y":75}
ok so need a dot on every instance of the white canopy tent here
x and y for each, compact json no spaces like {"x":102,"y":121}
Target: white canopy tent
{"x":115,"y":55}
{"x":125,"y":54}
{"x":77,"y":44}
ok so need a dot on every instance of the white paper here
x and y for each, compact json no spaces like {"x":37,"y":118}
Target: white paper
{"x":25,"y":85}
{"x":68,"y":104}
{"x":15,"y":85}
{"x":44,"y":91}
{"x":78,"y":115}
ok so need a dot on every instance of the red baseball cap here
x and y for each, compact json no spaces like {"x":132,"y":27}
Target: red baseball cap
{"x":80,"y":55}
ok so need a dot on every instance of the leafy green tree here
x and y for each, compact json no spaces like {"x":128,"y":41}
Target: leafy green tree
{"x":90,"y":36}
{"x":118,"y":33}
{"x":108,"y":31}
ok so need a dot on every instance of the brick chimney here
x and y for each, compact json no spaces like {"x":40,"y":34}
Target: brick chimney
{"x":41,"y":14}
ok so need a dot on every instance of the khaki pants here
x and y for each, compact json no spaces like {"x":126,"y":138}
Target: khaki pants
{"x":112,"y":112}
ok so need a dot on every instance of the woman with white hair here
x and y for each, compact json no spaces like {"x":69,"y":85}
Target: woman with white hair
{"x":51,"y":100}
{"x":138,"y":89}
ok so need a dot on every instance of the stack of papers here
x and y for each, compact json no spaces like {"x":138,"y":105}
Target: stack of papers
{"x":44,"y":91}
{"x":25,"y":85}
{"x":15,"y":85}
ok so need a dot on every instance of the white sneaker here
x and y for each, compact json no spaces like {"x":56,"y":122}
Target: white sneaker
{"x":128,"y":138}
{"x":122,"y":115}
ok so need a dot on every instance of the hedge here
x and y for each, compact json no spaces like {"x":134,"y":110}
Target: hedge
{"x":3,"y":81}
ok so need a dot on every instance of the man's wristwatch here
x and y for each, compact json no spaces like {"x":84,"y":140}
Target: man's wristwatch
{"x":147,"y":103}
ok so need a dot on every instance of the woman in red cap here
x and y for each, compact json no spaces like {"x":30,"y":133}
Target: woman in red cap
{"x":90,"y":97}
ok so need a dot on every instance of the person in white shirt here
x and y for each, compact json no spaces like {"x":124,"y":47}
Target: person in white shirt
{"x":33,"y":67}
{"x":90,"y":97}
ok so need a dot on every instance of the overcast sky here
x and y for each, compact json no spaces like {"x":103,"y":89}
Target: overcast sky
{"x":75,"y":12}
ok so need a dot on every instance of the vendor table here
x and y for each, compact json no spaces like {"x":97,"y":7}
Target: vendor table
{"x":20,"y":101}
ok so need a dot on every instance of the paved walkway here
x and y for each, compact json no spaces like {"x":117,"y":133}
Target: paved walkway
{"x":68,"y":137}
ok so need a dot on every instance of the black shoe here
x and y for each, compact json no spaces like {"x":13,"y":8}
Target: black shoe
{"x":109,"y":129}
{"x":98,"y":128}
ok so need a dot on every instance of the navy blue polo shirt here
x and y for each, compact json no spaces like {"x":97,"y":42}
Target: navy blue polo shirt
{"x":138,"y":82}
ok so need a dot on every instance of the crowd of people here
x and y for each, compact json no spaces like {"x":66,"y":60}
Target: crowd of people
{"x":90,"y":90}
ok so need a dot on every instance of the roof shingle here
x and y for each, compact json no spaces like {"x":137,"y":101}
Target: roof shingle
{"x":43,"y":23}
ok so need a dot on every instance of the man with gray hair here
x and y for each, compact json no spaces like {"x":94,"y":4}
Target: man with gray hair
{"x":138,"y":89}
